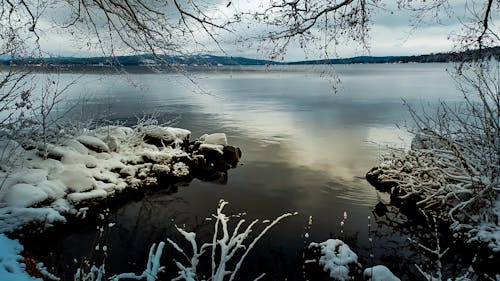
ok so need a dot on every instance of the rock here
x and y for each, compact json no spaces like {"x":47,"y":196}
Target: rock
{"x":112,"y":142}
{"x":211,"y":156}
{"x":128,"y":171}
{"x":380,"y":209}
{"x":77,"y":180}
{"x":215,"y":147}
{"x":76,"y":146}
{"x":51,"y":152}
{"x":165,"y":136}
{"x":217,"y":138}
{"x":23,"y":195}
{"x":93,"y":143}
{"x":379,"y":273}
{"x":232,"y":155}
{"x":373,"y":177}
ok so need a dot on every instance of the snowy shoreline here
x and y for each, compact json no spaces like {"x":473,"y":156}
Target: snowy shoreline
{"x":429,"y":185}
{"x":51,"y":184}
{"x":60,"y":180}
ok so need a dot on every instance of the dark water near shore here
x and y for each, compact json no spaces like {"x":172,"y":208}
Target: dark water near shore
{"x":305,"y":149}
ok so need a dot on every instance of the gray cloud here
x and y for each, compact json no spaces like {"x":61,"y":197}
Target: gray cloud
{"x":392,"y":33}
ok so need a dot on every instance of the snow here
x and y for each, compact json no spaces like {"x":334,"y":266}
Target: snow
{"x":216,"y":138}
{"x":338,"y":259}
{"x":13,"y":218}
{"x":215,"y":147}
{"x":379,"y":273}
{"x":88,"y":167}
{"x":12,"y":265}
{"x":42,"y":191}
{"x":85,"y":168}
{"x":43,"y":270}
{"x":153,"y":267}
{"x":93,"y":143}
{"x":23,"y":195}
{"x":463,"y":189}
{"x":82,"y":196}
{"x":167,"y":135}
{"x":76,"y":146}
{"x":335,"y":258}
{"x":180,"y":169}
{"x":76,"y":178}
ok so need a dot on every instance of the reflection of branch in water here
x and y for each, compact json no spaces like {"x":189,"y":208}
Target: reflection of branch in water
{"x":394,"y":227}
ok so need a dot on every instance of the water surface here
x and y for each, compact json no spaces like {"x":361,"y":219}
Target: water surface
{"x":305,"y":149}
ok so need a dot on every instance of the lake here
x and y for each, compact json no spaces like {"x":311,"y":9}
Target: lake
{"x":305,"y":149}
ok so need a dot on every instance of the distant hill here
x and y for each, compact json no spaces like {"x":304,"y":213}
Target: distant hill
{"x":439,"y":57}
{"x":144,"y":60}
{"x":209,"y":60}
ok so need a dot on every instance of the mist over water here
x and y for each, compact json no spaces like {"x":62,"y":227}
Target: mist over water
{"x":305,"y":149}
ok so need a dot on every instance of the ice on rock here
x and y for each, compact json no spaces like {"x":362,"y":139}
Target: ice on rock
{"x":379,"y":273}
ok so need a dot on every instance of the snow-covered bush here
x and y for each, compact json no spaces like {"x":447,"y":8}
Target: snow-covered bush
{"x":223,"y":248}
{"x":453,"y":168}
{"x":469,"y":161}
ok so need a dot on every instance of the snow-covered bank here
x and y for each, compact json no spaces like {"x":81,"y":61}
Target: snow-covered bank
{"x":439,"y":178}
{"x":12,"y":265}
{"x":49,"y":183}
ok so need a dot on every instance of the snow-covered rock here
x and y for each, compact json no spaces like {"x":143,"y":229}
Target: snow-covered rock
{"x":180,"y":169}
{"x":379,"y":273}
{"x":13,"y":218}
{"x":23,"y":195}
{"x":95,"y":166}
{"x":336,"y":258}
{"x":213,"y":147}
{"x":93,"y":143}
{"x":76,"y":178}
{"x":216,"y":138}
{"x":76,"y":146}
{"x":165,"y":135}
{"x":83,"y":196}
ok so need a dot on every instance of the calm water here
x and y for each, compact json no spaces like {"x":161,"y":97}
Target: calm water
{"x":305,"y":149}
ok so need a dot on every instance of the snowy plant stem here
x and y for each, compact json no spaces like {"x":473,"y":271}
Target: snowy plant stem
{"x":238,"y":265}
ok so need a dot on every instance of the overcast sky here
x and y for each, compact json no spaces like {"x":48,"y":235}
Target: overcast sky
{"x":391,"y":33}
